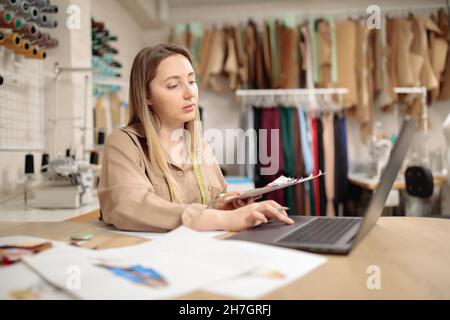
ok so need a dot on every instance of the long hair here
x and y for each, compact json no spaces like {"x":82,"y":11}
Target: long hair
{"x":143,"y":72}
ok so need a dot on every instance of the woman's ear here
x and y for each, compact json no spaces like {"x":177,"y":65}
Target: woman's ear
{"x":149,"y":101}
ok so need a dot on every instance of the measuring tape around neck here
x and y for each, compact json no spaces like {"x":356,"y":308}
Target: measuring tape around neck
{"x":199,"y":178}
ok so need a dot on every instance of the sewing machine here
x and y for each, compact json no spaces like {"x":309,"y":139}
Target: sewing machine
{"x":68,"y":183}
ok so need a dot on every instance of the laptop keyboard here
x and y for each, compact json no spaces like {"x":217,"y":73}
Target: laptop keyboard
{"x":323,"y":231}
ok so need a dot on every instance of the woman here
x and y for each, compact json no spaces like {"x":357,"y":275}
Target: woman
{"x":149,"y":183}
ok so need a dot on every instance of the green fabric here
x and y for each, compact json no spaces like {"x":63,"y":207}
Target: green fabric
{"x":197,"y":32}
{"x":180,"y":28}
{"x":290,"y":21}
{"x":288,"y":152}
{"x":334,"y":66}
{"x":274,"y":52}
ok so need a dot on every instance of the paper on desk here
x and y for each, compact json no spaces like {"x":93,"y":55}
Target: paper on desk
{"x":20,"y":282}
{"x":280,"y":267}
{"x":153,"y":235}
{"x":187,"y":260}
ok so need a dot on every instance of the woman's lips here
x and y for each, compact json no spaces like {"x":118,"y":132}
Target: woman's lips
{"x":189,"y":108}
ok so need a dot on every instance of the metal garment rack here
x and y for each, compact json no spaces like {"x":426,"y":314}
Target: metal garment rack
{"x":311,"y":94}
{"x":253,"y":94}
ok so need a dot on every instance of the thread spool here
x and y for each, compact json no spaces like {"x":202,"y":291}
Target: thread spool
{"x":29,"y":31}
{"x":18,"y":24}
{"x":32,"y":53}
{"x":24,"y":47}
{"x":36,"y":53}
{"x":93,"y":157}
{"x":39,"y":3}
{"x":44,"y":161}
{"x":12,"y":41}
{"x":52,"y":43}
{"x":33,"y":14}
{"x":13,"y":5}
{"x":6,"y":19}
{"x":50,"y":9}
{"x":29,"y":164}
{"x":1,"y":80}
{"x":45,"y":22}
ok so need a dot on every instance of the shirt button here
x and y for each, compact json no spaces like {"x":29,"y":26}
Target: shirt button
{"x":180,"y":173}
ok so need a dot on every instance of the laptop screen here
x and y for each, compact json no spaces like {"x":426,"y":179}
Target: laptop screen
{"x":388,"y":176}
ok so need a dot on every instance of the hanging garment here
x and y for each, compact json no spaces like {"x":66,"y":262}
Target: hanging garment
{"x":287,"y":134}
{"x":305,"y":48}
{"x":324,"y":49}
{"x":215,"y":62}
{"x":384,"y":91}
{"x":438,"y":46}
{"x":289,"y":77}
{"x":306,"y":144}
{"x":346,"y":33}
{"x":270,"y":121}
{"x":260,"y":181}
{"x":321,"y":153}
{"x":328,"y":144}
{"x":239,"y":37}
{"x":341,"y":165}
{"x":316,"y":166}
{"x":334,"y":63}
{"x":299,"y":163}
{"x":421,"y":26}
{"x":274,"y":53}
{"x":307,"y":157}
{"x":205,"y":48}
{"x":231,"y":66}
{"x":445,"y":81}
{"x":266,"y":54}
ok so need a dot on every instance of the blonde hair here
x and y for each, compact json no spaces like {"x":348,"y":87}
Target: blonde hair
{"x":143,"y":72}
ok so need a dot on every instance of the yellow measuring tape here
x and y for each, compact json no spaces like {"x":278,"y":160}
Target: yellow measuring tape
{"x":199,"y":178}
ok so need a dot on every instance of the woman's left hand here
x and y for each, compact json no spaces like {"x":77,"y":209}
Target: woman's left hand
{"x":230,"y":201}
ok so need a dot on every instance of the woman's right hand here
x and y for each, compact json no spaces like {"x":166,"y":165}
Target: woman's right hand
{"x":254,"y":214}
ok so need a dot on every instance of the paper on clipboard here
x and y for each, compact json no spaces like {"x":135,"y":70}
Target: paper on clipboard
{"x":280,"y":183}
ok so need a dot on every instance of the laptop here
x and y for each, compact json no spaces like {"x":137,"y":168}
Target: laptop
{"x":335,"y":235}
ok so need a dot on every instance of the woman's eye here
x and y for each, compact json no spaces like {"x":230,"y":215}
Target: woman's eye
{"x":192,"y":82}
{"x":172,"y":86}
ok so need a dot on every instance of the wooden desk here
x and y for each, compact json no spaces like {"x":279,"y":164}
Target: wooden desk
{"x":412,"y":253}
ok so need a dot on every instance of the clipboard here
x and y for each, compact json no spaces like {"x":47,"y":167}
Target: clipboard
{"x":286,"y":182}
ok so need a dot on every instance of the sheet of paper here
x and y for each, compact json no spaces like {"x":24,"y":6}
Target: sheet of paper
{"x":153,"y":235}
{"x":19,"y":282}
{"x":186,"y":260}
{"x":280,"y":267}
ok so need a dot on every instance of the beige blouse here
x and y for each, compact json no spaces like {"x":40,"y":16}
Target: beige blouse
{"x":134,"y":197}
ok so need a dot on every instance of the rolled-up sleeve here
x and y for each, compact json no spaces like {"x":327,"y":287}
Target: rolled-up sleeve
{"x":127,"y":197}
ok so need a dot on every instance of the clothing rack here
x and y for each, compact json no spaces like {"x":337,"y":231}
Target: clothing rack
{"x":251,"y":95}
{"x":248,"y":96}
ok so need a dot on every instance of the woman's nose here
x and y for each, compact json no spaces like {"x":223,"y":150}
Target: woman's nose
{"x":188,"y":91}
